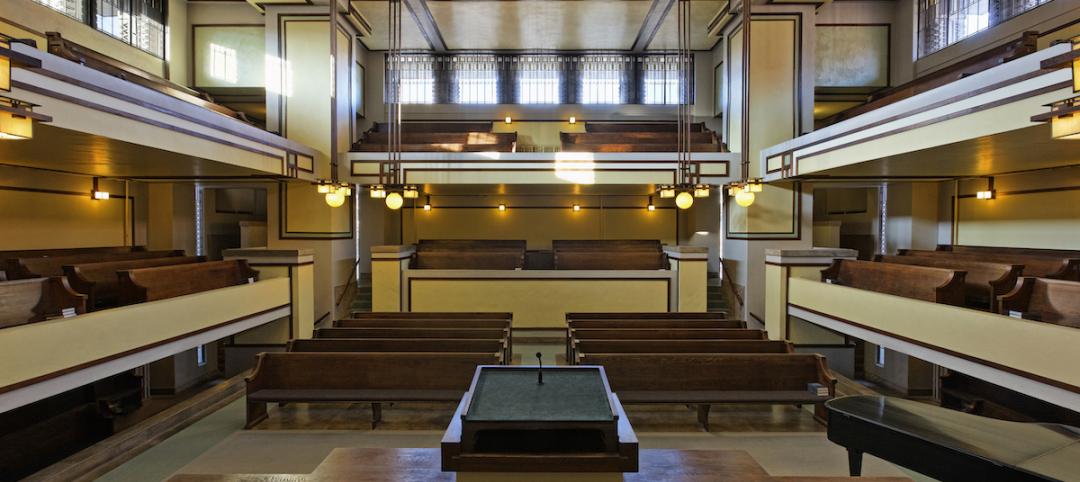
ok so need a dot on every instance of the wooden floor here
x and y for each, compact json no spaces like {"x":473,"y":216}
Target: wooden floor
{"x":409,"y":465}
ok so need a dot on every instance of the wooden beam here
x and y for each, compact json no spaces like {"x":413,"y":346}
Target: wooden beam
{"x":653,"y":20}
{"x":428,"y":28}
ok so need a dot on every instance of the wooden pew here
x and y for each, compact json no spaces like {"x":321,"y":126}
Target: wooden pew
{"x":594,"y":254}
{"x":577,"y":138}
{"x":38,"y":267}
{"x":469,"y":260}
{"x":359,"y":377}
{"x":983,"y":282}
{"x":421,"y":323}
{"x":365,"y":147}
{"x":705,"y":379}
{"x":74,"y":52}
{"x":917,"y":282}
{"x":39,"y":253}
{"x":482,"y":333}
{"x":32,"y":300}
{"x":1035,"y":264}
{"x":655,"y":323}
{"x":587,"y":347}
{"x":649,"y":315}
{"x":639,"y":127}
{"x":1046,"y":300}
{"x":470,"y":138}
{"x":442,"y":315}
{"x":629,"y":147}
{"x":404,"y":345}
{"x":575,"y":335}
{"x":149,"y":284}
{"x":470,"y":244}
{"x":100,"y":282}
{"x":451,"y":126}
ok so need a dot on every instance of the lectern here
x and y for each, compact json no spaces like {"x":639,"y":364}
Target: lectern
{"x":512,"y":421}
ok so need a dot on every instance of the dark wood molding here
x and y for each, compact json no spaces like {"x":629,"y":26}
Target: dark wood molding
{"x":658,"y":11}
{"x":427,"y":25}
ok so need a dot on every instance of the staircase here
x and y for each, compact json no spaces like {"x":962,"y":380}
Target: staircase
{"x":716,"y":299}
{"x":362,"y":300}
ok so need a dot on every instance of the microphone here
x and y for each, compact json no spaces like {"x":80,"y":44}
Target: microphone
{"x":539,"y":370}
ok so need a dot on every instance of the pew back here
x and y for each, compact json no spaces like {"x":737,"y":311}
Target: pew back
{"x":37,"y":267}
{"x":652,"y":315}
{"x":101,"y":283}
{"x":983,"y":282}
{"x":149,"y":284}
{"x":441,"y":315}
{"x":1046,"y":300}
{"x":387,"y":371}
{"x":714,"y":372}
{"x":1037,"y":265}
{"x":470,"y":260}
{"x":398,"y":345}
{"x":656,"y":323}
{"x":586,"y":347}
{"x":481,"y":333}
{"x":917,"y":282}
{"x":666,"y":334}
{"x":421,"y":323}
{"x":31,"y":300}
{"x":639,"y":127}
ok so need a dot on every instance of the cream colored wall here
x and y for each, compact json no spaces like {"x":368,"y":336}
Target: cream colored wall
{"x":539,"y":226}
{"x":38,"y":18}
{"x":50,"y":210}
{"x":178,"y":43}
{"x":1036,"y":210}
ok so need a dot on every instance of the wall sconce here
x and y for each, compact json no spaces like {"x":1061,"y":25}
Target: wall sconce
{"x":575,"y":208}
{"x":573,"y":120}
{"x":502,"y":207}
{"x":508,"y":120}
{"x":651,"y":206}
{"x":377,"y":191}
{"x":96,"y":193}
{"x":17,"y":119}
{"x":989,"y":193}
{"x":427,"y":203}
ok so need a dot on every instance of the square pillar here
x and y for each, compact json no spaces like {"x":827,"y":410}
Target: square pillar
{"x":783,"y":264}
{"x":388,"y":265}
{"x":691,"y":267}
{"x":299,"y":266}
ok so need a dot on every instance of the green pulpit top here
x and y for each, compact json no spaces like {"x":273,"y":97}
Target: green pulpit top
{"x":567,"y":395}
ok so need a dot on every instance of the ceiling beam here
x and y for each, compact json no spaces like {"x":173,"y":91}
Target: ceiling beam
{"x":653,"y":20}
{"x":428,"y":28}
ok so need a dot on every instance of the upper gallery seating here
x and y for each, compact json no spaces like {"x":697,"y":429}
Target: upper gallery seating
{"x":74,"y":52}
{"x":469,"y":254}
{"x":640,"y":127}
{"x":1026,"y":44}
{"x":638,"y":137}
{"x":983,"y":282}
{"x":37,"y":299}
{"x":1057,"y":264}
{"x":161,"y":282}
{"x":41,"y":253}
{"x":1047,"y":300}
{"x":918,"y":282}
{"x":609,"y":254}
{"x":40,"y":266}
{"x":440,"y":137}
{"x":100,"y":282}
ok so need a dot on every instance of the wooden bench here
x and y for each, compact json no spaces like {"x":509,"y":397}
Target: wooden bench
{"x":705,"y":379}
{"x":450,"y":126}
{"x":469,"y":254}
{"x":587,"y":347}
{"x":421,"y":323}
{"x":100,"y":282}
{"x":39,"y":253}
{"x":33,"y":300}
{"x":618,"y":254}
{"x":629,"y":147}
{"x":703,"y":137}
{"x":660,"y":126}
{"x":42,"y":266}
{"x":404,"y":345}
{"x":1037,"y":265}
{"x":655,"y":323}
{"x":359,"y":377}
{"x":983,"y":283}
{"x":650,"y":315}
{"x":421,"y":333}
{"x":149,"y":284}
{"x":1046,"y":300}
{"x":916,"y":282}
{"x":576,"y":335}
{"x":441,"y":315}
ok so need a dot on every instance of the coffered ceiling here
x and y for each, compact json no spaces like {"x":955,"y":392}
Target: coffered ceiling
{"x":620,"y":25}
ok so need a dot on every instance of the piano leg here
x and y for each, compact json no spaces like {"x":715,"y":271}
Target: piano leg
{"x":854,"y":460}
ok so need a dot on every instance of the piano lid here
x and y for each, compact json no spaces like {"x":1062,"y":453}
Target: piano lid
{"x":1051,"y":450}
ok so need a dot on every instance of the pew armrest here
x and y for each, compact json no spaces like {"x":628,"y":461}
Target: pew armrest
{"x":952,"y":291}
{"x":1017,"y":299}
{"x":59,"y":296}
{"x":832,"y":272}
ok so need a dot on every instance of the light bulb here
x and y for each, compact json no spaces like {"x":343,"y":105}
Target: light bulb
{"x":684,"y":200}
{"x":744,"y":198}
{"x":335,"y":199}
{"x":394,"y":200}
{"x":576,"y":207}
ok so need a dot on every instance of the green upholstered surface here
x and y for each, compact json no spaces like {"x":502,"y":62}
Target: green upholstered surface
{"x":567,"y":395}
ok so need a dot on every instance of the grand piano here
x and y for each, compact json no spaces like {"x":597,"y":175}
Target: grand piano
{"x":949,"y":445}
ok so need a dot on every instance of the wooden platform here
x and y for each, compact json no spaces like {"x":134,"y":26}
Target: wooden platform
{"x":408,"y":465}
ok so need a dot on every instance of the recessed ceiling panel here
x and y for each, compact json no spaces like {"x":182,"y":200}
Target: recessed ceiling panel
{"x":378,"y":16}
{"x":701,"y":13}
{"x":532,"y":24}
